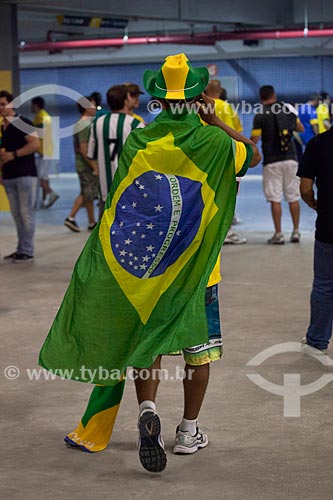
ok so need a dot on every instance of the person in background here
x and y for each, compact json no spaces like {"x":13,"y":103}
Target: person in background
{"x":85,"y":167}
{"x":323,"y":113}
{"x":97,"y":99}
{"x":42,"y":120}
{"x":134,"y":99}
{"x":308,"y":115}
{"x":226,"y":112}
{"x":108,"y":135}
{"x":275,"y":125}
{"x":316,"y":167}
{"x":19,"y":176}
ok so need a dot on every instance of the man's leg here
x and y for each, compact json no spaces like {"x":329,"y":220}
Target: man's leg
{"x":292,"y":195}
{"x":49,"y":196}
{"x":195,"y":384}
{"x":27,"y":196}
{"x":273,"y":189}
{"x":90,"y":212}
{"x":11,"y":188}
{"x":146,"y":387}
{"x":151,"y":447}
{"x":276,"y":210}
{"x":320,"y":329}
{"x":78,"y":203}
{"x":189,"y":437}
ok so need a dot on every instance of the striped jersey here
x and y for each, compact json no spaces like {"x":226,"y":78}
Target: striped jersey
{"x":108,"y":134}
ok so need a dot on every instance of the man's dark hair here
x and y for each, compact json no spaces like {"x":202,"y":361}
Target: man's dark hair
{"x":97,"y":98}
{"x":324,"y":95}
{"x":314,"y":96}
{"x":6,"y":95}
{"x":116,"y":97}
{"x":266,"y":92}
{"x":133,"y":89}
{"x":223,"y":94}
{"x":81,"y":107}
{"x":39,"y":101}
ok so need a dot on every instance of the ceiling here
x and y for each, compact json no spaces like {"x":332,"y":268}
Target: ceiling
{"x":200,"y":26}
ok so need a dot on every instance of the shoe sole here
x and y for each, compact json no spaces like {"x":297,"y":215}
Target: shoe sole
{"x":151,"y":452}
{"x":22,"y":261}
{"x":234,"y":242}
{"x":72,"y":228}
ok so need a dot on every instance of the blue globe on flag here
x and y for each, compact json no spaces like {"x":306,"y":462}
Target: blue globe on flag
{"x":152,"y":225}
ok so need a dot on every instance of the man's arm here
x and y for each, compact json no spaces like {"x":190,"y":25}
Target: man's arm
{"x":307,"y":192}
{"x":299,"y":126}
{"x":32,"y":145}
{"x":83,"y":146}
{"x":208,"y":115}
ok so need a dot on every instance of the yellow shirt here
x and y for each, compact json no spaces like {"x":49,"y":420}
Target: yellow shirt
{"x":43,"y":120}
{"x":138,"y":117}
{"x":322,"y":114}
{"x":240,"y":158}
{"x":227,"y":113}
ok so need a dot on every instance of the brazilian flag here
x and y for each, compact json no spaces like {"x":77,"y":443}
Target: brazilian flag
{"x":138,"y":287}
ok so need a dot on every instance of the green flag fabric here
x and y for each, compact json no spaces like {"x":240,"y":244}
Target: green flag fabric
{"x":138,"y":287}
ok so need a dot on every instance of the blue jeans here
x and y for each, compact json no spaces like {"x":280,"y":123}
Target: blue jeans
{"x":21,"y":194}
{"x":320,"y":328}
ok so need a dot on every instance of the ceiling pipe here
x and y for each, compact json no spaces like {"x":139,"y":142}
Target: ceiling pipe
{"x":196,"y":39}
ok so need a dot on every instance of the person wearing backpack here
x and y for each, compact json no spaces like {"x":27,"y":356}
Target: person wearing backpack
{"x":275,"y":124}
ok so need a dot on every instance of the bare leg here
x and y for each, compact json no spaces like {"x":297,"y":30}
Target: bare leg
{"x":276,"y":214}
{"x":78,"y":203}
{"x":46,"y":187}
{"x":295,"y":213}
{"x":146,"y":389}
{"x":90,"y":211}
{"x":195,"y":385}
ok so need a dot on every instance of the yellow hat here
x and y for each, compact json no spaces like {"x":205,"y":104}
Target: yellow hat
{"x":176,"y":79}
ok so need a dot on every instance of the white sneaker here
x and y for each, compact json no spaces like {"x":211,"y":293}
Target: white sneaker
{"x":276,"y":239}
{"x":295,"y":237}
{"x":186,"y":444}
{"x":309,"y":349}
{"x":151,"y":446}
{"x":52,"y":198}
{"x":234,"y":239}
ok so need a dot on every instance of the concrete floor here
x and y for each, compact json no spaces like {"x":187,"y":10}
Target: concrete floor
{"x":255,"y":452}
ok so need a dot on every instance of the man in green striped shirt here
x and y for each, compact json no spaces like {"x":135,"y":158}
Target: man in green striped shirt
{"x":108,"y":135}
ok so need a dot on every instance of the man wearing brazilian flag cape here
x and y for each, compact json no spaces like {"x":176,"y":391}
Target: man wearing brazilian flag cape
{"x":145,"y":283}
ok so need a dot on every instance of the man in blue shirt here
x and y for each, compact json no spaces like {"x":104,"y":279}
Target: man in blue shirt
{"x":307,"y":113}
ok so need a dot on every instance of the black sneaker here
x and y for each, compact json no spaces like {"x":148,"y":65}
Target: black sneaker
{"x":71,"y":224}
{"x":92,"y":226}
{"x":10,"y":256}
{"x":23,"y":257}
{"x":151,"y":446}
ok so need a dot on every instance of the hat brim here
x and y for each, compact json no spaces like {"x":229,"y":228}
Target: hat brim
{"x":149,"y":82}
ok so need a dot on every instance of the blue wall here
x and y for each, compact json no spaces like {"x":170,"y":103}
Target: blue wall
{"x":294,"y":78}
